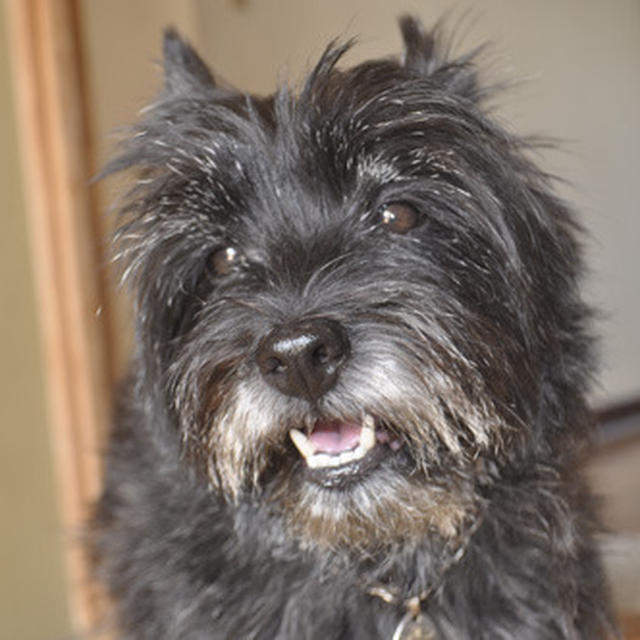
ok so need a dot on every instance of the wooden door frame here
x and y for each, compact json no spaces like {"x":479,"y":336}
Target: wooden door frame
{"x":54,"y":133}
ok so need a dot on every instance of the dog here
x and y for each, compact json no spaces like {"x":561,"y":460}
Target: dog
{"x":357,"y":396}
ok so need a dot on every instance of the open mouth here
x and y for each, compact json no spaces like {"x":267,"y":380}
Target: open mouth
{"x":345,"y":445}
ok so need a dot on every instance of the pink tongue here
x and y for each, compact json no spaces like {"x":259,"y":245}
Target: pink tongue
{"x":335,"y":436}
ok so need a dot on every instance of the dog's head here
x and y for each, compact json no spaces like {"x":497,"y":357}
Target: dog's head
{"x":357,"y":301}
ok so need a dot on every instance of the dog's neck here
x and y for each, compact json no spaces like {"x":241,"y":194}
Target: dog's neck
{"x":416,"y":623}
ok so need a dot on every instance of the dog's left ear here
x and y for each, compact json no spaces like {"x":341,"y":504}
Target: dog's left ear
{"x":184,"y":70}
{"x":426,"y":54}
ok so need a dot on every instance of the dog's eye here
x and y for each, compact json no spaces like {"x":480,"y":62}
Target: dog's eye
{"x":225,"y":260}
{"x":398,"y":217}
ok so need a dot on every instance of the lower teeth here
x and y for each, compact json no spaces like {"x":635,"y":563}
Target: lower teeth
{"x":319,"y":460}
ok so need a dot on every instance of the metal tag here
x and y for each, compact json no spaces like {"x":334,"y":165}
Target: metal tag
{"x":413,"y":627}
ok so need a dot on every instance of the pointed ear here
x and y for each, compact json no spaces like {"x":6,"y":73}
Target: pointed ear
{"x":427,"y":54}
{"x":184,"y":70}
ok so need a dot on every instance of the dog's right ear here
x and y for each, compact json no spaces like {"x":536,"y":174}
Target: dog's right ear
{"x":427,"y":54}
{"x":184,"y":70}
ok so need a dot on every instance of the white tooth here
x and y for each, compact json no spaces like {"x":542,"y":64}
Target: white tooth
{"x":302,"y":443}
{"x":368,"y":434}
{"x":319,"y":460}
{"x":348,"y":456}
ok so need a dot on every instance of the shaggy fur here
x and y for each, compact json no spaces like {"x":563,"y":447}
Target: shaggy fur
{"x":381,"y":211}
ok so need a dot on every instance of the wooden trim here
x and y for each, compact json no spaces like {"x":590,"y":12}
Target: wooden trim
{"x":65,"y":231}
{"x":630,"y":627}
{"x":619,"y":423}
{"x":619,"y":411}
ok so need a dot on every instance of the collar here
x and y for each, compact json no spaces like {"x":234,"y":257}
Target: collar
{"x":416,"y":624}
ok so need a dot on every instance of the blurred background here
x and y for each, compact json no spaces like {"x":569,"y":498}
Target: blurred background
{"x":579,"y":63}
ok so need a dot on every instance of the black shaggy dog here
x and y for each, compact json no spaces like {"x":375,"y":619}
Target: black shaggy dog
{"x":361,"y":359}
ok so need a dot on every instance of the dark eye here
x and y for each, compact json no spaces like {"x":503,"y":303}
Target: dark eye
{"x":225,"y":260}
{"x":398,"y":217}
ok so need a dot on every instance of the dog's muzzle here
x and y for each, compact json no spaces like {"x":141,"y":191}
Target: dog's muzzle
{"x":304,"y":360}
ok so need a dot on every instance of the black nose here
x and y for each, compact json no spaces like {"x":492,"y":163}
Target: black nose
{"x":303,"y":359}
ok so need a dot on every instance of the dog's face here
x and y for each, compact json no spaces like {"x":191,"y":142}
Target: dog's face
{"x":347,"y":298}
